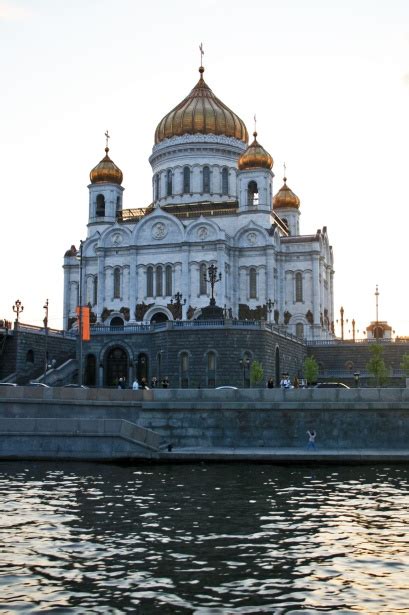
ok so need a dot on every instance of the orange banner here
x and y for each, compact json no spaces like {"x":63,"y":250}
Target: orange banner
{"x":84,"y":325}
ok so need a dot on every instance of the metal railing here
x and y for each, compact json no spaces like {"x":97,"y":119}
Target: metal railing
{"x":351,"y":342}
{"x":169,"y":325}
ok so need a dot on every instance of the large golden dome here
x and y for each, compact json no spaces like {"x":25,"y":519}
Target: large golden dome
{"x":106,"y":171}
{"x":285,"y":197}
{"x":255,"y":157}
{"x":201,"y":112}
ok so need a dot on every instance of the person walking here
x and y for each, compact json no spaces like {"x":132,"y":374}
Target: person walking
{"x":135,"y":385}
{"x":311,"y":439}
{"x":270,"y":383}
{"x":296,"y":383}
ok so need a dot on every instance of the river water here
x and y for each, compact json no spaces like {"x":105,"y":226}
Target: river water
{"x":204,"y":539}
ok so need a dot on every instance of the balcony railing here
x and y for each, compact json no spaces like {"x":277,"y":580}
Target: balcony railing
{"x":169,"y":325}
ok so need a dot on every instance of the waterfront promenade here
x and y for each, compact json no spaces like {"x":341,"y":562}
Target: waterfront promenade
{"x":353,"y":426}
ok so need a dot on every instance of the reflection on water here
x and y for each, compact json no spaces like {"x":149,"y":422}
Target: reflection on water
{"x":205,"y":539}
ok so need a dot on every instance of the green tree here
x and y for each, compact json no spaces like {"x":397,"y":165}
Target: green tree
{"x":256,"y":372}
{"x":310,"y":369}
{"x":405,"y":363}
{"x":376,"y":365}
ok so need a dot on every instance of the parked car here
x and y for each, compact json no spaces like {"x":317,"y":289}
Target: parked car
{"x":8,"y":384}
{"x":331,"y":385}
{"x":74,"y":386}
{"x":226,"y":387}
{"x":38,"y":384}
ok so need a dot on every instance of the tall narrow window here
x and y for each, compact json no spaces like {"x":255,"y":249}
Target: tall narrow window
{"x":95,"y":291}
{"x":159,"y":285}
{"x":117,"y":283}
{"x":298,"y":287}
{"x":225,"y":181}
{"x":149,"y":282}
{"x":168,"y":280}
{"x":253,"y":283}
{"x":252,"y":193}
{"x":157,"y":187}
{"x":100,"y":210}
{"x":118,"y":204}
{"x":186,"y":180}
{"x":211,"y":370}
{"x":299,"y":329}
{"x":169,"y":186}
{"x":203,"y":276}
{"x":206,"y":180}
{"x":184,"y":370}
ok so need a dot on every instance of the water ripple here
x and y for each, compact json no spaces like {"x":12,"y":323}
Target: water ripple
{"x":209,"y":540}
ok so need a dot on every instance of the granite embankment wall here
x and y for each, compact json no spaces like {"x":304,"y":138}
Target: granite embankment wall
{"x":88,"y":423}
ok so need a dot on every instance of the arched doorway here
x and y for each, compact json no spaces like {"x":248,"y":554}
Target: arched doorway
{"x":142,"y":368}
{"x":90,"y":370}
{"x":116,"y":366}
{"x":159,"y":317}
{"x":277,"y":362}
{"x":117,"y":323}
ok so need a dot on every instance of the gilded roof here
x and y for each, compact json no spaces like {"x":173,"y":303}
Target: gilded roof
{"x":201,"y":112}
{"x":285,"y":197}
{"x":255,"y":157}
{"x":106,"y":171}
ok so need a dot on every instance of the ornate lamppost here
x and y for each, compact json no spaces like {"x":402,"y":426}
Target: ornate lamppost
{"x":178,"y":303}
{"x":212,"y":279}
{"x":376,"y":323}
{"x":270,"y":306}
{"x":353,"y":329}
{"x":45,"y":321}
{"x":342,"y":322}
{"x":244,"y":364}
{"x":80,"y":323}
{"x":18,"y":307}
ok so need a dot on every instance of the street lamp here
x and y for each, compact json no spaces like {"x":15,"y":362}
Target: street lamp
{"x":18,"y":307}
{"x":45,"y":321}
{"x":213,"y":279}
{"x":80,"y":324}
{"x":270,"y":305}
{"x":178,"y":303}
{"x":376,"y":324}
{"x":244,"y":364}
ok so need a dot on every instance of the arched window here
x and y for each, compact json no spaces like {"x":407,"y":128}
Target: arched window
{"x":253,"y":283}
{"x":184,"y":370}
{"x":252,"y":193}
{"x":168,"y":280}
{"x":30,"y":356}
{"x":157,"y":187}
{"x":206,"y":180}
{"x":117,"y":283}
{"x":90,"y":370}
{"x":186,"y":180}
{"x":203,"y":277}
{"x":298,"y":287}
{"x":169,"y":183}
{"x":299,"y":329}
{"x":149,"y":282}
{"x":159,"y":284}
{"x":118,"y":204}
{"x":211,"y":369}
{"x":100,"y":210}
{"x":225,"y":181}
{"x":95,"y":290}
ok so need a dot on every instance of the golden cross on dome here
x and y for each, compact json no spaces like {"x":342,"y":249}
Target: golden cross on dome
{"x":107,"y":136}
{"x":255,"y":123}
{"x":201,"y":54}
{"x":285,"y":171}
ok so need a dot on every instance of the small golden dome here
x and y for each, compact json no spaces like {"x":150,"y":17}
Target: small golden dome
{"x":106,"y":171}
{"x":285,"y":197}
{"x":255,"y":157}
{"x":201,"y":112}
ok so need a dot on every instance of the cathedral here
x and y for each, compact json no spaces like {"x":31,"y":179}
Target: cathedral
{"x":215,"y":242}
{"x":213,"y":203}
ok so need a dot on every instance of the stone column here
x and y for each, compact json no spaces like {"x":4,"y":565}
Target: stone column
{"x":316,"y":288}
{"x":101,"y":285}
{"x":133,"y":281}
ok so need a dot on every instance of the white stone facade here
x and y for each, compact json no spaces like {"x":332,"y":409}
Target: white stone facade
{"x":148,"y":259}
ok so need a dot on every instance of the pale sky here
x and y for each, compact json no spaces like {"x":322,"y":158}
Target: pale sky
{"x":328,"y":80}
